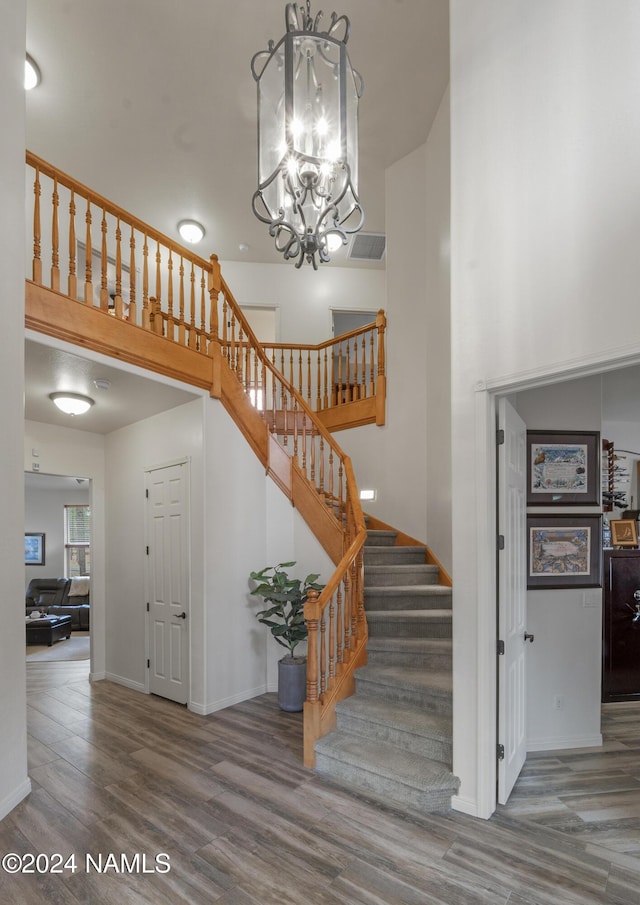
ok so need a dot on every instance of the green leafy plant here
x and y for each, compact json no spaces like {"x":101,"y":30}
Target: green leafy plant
{"x":286,"y":596}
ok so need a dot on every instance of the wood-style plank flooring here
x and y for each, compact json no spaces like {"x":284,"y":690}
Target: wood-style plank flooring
{"x":244,"y":823}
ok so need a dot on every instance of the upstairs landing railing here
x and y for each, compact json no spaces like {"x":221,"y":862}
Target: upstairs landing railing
{"x":116,"y":285}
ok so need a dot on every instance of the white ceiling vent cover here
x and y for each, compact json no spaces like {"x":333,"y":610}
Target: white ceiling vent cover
{"x":368,"y":247}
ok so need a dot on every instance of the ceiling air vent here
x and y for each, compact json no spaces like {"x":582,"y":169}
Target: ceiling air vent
{"x":368,"y":247}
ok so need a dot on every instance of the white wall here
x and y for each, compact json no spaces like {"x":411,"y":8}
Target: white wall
{"x":159,"y":440}
{"x":566,"y":657}
{"x":304,"y":298}
{"x":14,"y":783}
{"x":65,"y":451}
{"x":44,"y":512}
{"x":545,"y":201}
{"x":408,"y":460}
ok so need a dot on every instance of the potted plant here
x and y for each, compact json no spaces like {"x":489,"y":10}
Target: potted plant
{"x":284,"y":616}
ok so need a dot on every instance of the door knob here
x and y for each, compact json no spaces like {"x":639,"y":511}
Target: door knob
{"x":180,"y":616}
{"x":528,"y":637}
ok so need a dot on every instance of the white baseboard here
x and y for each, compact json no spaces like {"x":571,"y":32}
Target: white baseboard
{"x":464,"y":805}
{"x":128,"y":683}
{"x":557,"y":743}
{"x":206,"y":709}
{"x":8,"y":804}
{"x":97,"y":676}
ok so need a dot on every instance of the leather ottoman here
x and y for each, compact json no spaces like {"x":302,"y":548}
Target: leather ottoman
{"x":48,"y":629}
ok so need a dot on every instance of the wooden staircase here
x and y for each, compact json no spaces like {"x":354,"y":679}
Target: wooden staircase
{"x":393,"y":737}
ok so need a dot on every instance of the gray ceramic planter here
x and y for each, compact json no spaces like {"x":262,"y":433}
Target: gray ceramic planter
{"x":292,"y":683}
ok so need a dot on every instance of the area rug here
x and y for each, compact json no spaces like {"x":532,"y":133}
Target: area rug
{"x":74,"y":648}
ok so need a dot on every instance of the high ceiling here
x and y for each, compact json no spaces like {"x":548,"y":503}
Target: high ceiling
{"x":152,"y":103}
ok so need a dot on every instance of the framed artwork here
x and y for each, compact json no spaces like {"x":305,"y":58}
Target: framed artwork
{"x":33,"y":549}
{"x":563,"y":468}
{"x":624,"y":532}
{"x":564,"y":551}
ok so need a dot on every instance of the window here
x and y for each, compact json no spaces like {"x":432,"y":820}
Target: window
{"x":77,"y":541}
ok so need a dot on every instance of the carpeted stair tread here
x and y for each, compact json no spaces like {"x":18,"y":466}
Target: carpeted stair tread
{"x":416,"y":616}
{"x":380,"y":537}
{"x":388,"y":762}
{"x":404,"y":574}
{"x":414,"y":597}
{"x":400,"y":677}
{"x":428,"y":590}
{"x":408,"y":719}
{"x":410,"y":645}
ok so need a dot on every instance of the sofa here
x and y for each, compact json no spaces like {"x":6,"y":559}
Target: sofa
{"x":61,"y":597}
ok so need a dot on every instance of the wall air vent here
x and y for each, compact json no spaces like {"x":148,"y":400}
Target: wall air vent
{"x":368,"y":247}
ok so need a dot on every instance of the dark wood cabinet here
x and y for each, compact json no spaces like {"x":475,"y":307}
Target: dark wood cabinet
{"x":621,"y":626}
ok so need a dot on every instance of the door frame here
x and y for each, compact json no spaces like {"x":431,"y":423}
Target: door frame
{"x":186,"y":461}
{"x":487,"y":393}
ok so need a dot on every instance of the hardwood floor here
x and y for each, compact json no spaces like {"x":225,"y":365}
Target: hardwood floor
{"x":244,"y":823}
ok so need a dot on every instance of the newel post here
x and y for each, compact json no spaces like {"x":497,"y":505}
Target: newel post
{"x":312,"y":706}
{"x":381,"y":379}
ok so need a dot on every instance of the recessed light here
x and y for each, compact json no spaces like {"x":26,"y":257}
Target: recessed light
{"x":32,"y":75}
{"x":243,"y":246}
{"x":191,"y":231}
{"x":71,"y":403}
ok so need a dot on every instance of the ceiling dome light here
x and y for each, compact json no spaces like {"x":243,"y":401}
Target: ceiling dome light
{"x":71,"y":403}
{"x":191,"y":231}
{"x":32,"y":75}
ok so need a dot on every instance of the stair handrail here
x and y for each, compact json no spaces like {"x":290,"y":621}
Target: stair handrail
{"x":335,"y":618}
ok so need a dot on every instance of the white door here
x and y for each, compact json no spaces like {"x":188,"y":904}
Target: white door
{"x":512,"y":598}
{"x":168,"y":581}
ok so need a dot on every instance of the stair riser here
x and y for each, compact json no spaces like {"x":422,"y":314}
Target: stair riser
{"x":432,"y":702}
{"x":408,"y":659}
{"x":358,"y":779}
{"x":389,"y":629}
{"x":408,"y":574}
{"x":392,"y":556}
{"x":436,"y":749}
{"x":406,"y":601}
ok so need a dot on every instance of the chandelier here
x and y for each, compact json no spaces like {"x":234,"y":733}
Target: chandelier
{"x":308,"y":137}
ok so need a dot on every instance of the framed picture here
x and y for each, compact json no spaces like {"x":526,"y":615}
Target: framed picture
{"x":564,"y":551}
{"x":34,"y":549}
{"x":563,"y":468}
{"x":624,"y":532}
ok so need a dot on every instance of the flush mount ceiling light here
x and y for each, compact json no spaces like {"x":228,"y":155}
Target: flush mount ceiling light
{"x":308,"y":137}
{"x":191,"y":231}
{"x":32,"y":75}
{"x":71,"y":403}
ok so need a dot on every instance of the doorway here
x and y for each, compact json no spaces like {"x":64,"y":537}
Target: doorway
{"x":167,"y":580}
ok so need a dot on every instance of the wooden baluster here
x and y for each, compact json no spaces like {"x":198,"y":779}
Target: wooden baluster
{"x":37,"y":262}
{"x":323,"y":655}
{"x":263,"y":385}
{"x":312,"y":651}
{"x":240,"y":356}
{"x":132,"y":316}
{"x":181,"y":328}
{"x":146,"y":321}
{"x":88,"y":254}
{"x":72,"y":281}
{"x":55,"y":239}
{"x":325,"y":403}
{"x":309,"y":378}
{"x":274,"y":408}
{"x":202,"y":340}
{"x":117,"y":302}
{"x":232,"y":343}
{"x":340,"y":485}
{"x":331,"y":483}
{"x":312,"y":476}
{"x":225,"y":325}
{"x":291,"y":379}
{"x":215,"y":286}
{"x":319,"y":385}
{"x":192,"y":306}
{"x":171,"y":333}
{"x":372,"y":367}
{"x":348,"y":376}
{"x":342,"y":624}
{"x":357,"y":613}
{"x":247,"y":364}
{"x":300,"y":386}
{"x":104,"y":292}
{"x":363,"y":369}
{"x":285,"y":417}
{"x":296,"y":413}
{"x":321,"y":457}
{"x":332,"y":638}
{"x":158,"y":295}
{"x":257,"y":401}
